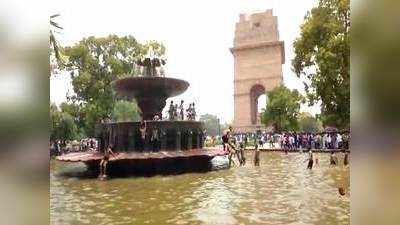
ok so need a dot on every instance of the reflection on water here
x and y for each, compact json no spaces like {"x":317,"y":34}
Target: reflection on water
{"x":280,"y":191}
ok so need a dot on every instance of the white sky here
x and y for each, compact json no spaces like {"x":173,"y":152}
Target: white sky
{"x":196,"y":33}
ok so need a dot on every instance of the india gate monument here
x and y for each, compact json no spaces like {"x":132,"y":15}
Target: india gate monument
{"x":258,"y":58}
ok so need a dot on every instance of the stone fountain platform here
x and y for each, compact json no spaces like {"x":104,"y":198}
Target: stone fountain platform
{"x":148,"y":163}
{"x":97,"y":156}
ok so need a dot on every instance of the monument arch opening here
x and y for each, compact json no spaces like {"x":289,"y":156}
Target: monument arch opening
{"x":255,"y":93}
{"x":262,"y":102}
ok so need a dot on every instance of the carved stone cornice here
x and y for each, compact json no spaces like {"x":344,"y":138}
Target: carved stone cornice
{"x":256,"y":45}
{"x":260,"y":45}
{"x":275,"y":77}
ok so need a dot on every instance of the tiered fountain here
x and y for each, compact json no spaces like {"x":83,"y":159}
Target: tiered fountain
{"x":180,"y":143}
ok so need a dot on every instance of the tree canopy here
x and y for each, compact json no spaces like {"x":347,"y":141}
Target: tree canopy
{"x":322,"y":56}
{"x":211,"y":123}
{"x":308,"y":123}
{"x":54,"y":45}
{"x":282,"y":109}
{"x":62,"y":125}
{"x":126,"y":111}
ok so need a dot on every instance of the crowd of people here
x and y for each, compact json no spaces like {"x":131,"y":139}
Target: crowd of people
{"x":176,"y":112}
{"x":234,"y":145}
{"x":295,"y":141}
{"x":59,"y":147}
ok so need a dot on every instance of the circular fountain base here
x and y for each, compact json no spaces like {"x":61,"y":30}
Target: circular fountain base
{"x":169,"y":136}
{"x":148,"y":163}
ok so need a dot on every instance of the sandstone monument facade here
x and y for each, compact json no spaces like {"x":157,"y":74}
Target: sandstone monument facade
{"x":258,"y":58}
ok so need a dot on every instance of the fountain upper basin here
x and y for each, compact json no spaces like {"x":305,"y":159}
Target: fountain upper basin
{"x":144,"y":86}
{"x":150,"y":92}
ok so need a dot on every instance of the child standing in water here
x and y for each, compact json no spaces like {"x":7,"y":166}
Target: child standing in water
{"x":104,"y":161}
{"x":256,"y":156}
{"x":346,"y":159}
{"x":333,"y":159}
{"x":228,"y":147}
{"x":310,"y":160}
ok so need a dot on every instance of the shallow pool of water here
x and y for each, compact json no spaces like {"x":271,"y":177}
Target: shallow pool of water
{"x":280,"y":191}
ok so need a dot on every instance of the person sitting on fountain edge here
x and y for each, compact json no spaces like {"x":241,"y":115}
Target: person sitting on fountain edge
{"x":104,"y":161}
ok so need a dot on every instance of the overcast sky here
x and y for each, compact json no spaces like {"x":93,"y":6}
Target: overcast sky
{"x":197,"y":35}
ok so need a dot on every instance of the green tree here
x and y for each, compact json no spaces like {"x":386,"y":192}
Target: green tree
{"x":211,"y":123}
{"x":282,"y":109}
{"x":126,"y":111}
{"x":94,"y":63}
{"x":55,"y":118}
{"x":62,"y":124}
{"x":322,"y":56}
{"x":77,"y":111}
{"x":225,"y":126}
{"x":54,"y":45}
{"x":67,"y":129}
{"x":308,"y":123}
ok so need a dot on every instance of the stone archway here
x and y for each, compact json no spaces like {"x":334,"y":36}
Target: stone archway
{"x":258,"y":57}
{"x":255,"y":92}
